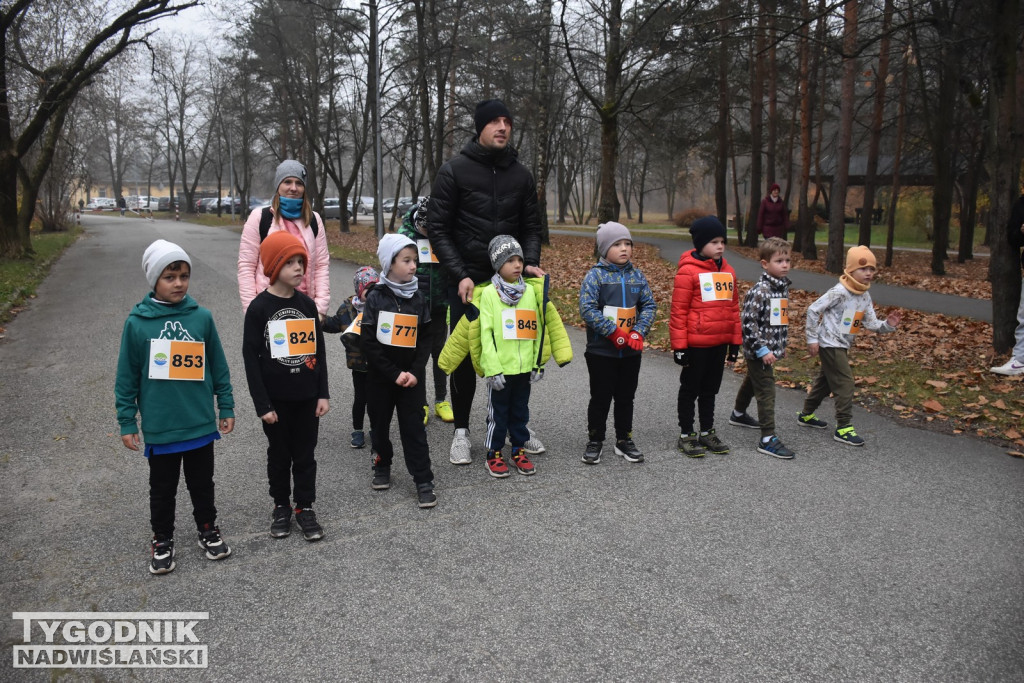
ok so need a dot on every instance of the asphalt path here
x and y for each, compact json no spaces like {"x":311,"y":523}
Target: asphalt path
{"x":897,"y":561}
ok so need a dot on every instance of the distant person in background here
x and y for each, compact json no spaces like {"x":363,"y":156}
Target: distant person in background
{"x":121,"y":204}
{"x":773,"y":216}
{"x":291,"y":212}
{"x":1015,"y":233}
{"x":81,"y":205}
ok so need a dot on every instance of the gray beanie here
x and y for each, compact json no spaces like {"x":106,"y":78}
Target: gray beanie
{"x":158,"y":256}
{"x":501,"y":249}
{"x":289,"y":168}
{"x":390,"y":245}
{"x":608,"y":234}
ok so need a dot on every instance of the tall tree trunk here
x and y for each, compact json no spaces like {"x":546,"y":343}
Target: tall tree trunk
{"x":901,"y":118}
{"x":771,"y":159}
{"x":543,"y":123}
{"x":875,"y":134}
{"x":837,"y":210}
{"x":609,"y":206}
{"x":804,"y":239}
{"x":756,"y":123}
{"x":722,"y":124}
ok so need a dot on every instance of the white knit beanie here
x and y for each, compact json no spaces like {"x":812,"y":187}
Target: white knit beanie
{"x":158,"y":256}
{"x":390,"y":245}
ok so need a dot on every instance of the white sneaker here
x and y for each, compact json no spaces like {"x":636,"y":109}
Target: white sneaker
{"x":461,"y":453}
{"x":533,"y":446}
{"x":1011,"y":368}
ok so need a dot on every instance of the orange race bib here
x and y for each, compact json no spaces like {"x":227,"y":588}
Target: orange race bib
{"x":715,"y":286}
{"x":778,"y":314}
{"x":180,"y":360}
{"x":397,"y":329}
{"x":624,"y":318}
{"x":356,"y":327}
{"x":292,"y":337}
{"x":852,"y":321}
{"x":519,"y":323}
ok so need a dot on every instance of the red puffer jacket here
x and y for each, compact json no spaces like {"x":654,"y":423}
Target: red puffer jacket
{"x":705,"y":308}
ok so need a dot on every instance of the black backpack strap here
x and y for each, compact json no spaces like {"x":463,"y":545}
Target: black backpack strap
{"x":266,"y":218}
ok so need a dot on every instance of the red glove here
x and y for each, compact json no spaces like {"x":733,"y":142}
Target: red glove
{"x":635,"y":341}
{"x":618,"y":338}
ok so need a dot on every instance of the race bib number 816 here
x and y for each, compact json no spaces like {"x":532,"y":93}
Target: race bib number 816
{"x":715,"y":286}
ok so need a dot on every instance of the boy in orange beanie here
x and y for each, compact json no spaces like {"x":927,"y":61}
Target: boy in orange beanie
{"x":283,"y":350}
{"x":833,"y":322}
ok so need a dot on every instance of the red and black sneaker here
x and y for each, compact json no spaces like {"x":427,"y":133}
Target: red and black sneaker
{"x":522,"y":463}
{"x":496,"y":465}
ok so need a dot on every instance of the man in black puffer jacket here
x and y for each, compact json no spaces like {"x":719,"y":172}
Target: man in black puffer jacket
{"x":480,"y":194}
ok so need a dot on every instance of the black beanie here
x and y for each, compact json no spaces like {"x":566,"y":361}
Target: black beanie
{"x":487,"y":111}
{"x":704,"y":230}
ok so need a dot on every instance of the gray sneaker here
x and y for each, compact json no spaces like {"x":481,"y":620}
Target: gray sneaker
{"x":533,"y":446}
{"x":744,"y":420}
{"x":461,"y":452}
{"x":592,"y":454}
{"x":711,"y":442}
{"x":689,"y":446}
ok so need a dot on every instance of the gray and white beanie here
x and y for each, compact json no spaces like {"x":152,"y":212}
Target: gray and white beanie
{"x":501,"y":249}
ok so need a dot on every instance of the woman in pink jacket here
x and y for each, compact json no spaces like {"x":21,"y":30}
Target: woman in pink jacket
{"x":289,"y":210}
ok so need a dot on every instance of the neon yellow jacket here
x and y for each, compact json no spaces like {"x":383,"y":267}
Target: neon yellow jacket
{"x":465,"y":338}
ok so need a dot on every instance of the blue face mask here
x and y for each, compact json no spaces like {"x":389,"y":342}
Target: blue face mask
{"x":290,"y":207}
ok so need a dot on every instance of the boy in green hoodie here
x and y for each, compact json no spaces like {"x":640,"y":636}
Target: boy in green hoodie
{"x":170,"y":367}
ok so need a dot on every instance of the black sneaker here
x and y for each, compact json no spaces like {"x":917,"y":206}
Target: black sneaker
{"x":161,"y":555}
{"x":713,"y":443}
{"x":592,"y":455}
{"x":774,"y":448}
{"x":743,"y":420}
{"x":628,"y":450}
{"x":311,"y":531}
{"x":381,"y":476}
{"x":689,"y":446}
{"x":425,"y":494}
{"x":848,"y":436}
{"x":282,"y":524}
{"x":210,"y":540}
{"x":810,"y":420}
{"x":358,"y":439}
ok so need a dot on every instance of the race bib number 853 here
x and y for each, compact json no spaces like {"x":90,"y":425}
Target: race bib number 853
{"x":180,"y":360}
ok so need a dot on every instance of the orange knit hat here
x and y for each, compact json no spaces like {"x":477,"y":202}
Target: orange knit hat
{"x":277,"y":249}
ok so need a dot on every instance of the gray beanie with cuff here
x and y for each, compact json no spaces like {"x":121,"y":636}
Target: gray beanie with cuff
{"x":608,"y":234}
{"x":289,"y":168}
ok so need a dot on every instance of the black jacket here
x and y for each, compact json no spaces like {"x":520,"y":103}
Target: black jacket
{"x":391,"y":361}
{"x":477,"y":196}
{"x":1013,"y":232}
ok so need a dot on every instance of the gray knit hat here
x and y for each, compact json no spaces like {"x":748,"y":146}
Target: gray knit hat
{"x":608,"y":234}
{"x":158,"y":256}
{"x":501,"y":249}
{"x":289,"y":168}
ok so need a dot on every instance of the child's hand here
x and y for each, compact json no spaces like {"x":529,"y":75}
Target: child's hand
{"x":227,"y":425}
{"x":322,"y":406}
{"x":894,"y":319}
{"x":769,"y":360}
{"x":618,"y":338}
{"x":270,"y":418}
{"x":496,"y":382}
{"x":732,"y":354}
{"x":635,"y":341}
{"x":406,"y":379}
{"x":130,"y":441}
{"x":812,"y":349}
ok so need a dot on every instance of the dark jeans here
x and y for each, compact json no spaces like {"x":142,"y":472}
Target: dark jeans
{"x":508,"y":411}
{"x":463,"y":379}
{"x":760,"y":384}
{"x":290,"y":454}
{"x":836,"y":377}
{"x":437,"y":336}
{"x":359,"y":404}
{"x":700,"y":381}
{"x":386,"y":398}
{"x":164,"y":473}
{"x":611,"y":378}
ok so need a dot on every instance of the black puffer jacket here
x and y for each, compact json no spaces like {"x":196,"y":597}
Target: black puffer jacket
{"x":477,"y":196}
{"x":1013,"y":227}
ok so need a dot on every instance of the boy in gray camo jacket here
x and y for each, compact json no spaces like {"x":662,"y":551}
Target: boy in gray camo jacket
{"x":764,"y":317}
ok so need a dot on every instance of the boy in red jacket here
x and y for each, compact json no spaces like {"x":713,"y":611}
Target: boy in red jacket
{"x":704,"y":328}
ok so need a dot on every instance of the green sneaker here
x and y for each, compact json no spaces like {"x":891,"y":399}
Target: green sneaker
{"x":689,"y":446}
{"x":810,"y":420}
{"x":848,"y":436}
{"x":713,"y":443}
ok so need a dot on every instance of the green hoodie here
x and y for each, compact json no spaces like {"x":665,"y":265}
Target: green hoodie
{"x":172,"y":410}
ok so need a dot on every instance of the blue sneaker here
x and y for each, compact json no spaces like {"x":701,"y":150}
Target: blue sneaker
{"x":358,"y":439}
{"x":774,"y":448}
{"x":848,"y":436}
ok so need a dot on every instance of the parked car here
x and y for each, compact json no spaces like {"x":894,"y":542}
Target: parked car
{"x":332,"y":209}
{"x":364,"y":205}
{"x":207,"y":205}
{"x":101,"y":204}
{"x":404,"y":204}
{"x":164,"y":203}
{"x":225,"y":205}
{"x":145,"y":203}
{"x":257,"y":203}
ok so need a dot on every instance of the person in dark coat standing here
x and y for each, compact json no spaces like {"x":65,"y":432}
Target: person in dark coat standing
{"x":479,"y":194}
{"x":1015,"y":234}
{"x":773,"y":216}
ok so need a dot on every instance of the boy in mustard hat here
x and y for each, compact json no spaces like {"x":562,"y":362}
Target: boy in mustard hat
{"x":285,"y":364}
{"x":833,"y":322}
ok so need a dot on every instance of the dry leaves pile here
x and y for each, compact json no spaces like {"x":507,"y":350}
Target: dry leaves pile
{"x":932,"y":372}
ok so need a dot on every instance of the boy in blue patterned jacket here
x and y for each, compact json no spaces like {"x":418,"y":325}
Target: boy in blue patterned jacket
{"x":618,"y":309}
{"x":765,"y":321}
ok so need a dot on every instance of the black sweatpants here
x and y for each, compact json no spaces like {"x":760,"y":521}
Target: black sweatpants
{"x":508,"y":411}
{"x":611,"y":378}
{"x":386,"y":398}
{"x":164,"y":474}
{"x":463,"y":379}
{"x":359,"y":404}
{"x":290,"y":454}
{"x":700,"y":381}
